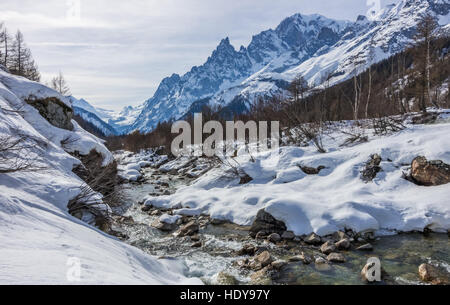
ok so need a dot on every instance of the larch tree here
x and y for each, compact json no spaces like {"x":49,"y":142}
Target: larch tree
{"x":20,"y":61}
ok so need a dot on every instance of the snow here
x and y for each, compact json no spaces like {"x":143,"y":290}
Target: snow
{"x":130,"y":165}
{"x":335,"y":199}
{"x":169,"y":219}
{"x":41,"y":243}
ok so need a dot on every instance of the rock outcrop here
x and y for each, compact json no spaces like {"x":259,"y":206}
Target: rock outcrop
{"x":430,"y":173}
{"x":54,"y":111}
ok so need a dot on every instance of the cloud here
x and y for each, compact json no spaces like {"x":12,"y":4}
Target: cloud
{"x":118,"y":51}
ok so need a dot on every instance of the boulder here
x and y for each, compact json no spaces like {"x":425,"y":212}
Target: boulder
{"x":277,"y":265}
{"x":267,"y":223}
{"x":313,"y":239}
{"x":54,"y":111}
{"x":430,"y":173}
{"x":301,"y":258}
{"x":247,"y":249}
{"x":328,"y":247}
{"x":288,"y":235}
{"x":274,"y":237}
{"x":434,"y":275}
{"x":336,"y":258}
{"x":264,"y":258}
{"x":343,"y":244}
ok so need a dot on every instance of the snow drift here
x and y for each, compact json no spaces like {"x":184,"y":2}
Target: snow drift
{"x":38,"y":238}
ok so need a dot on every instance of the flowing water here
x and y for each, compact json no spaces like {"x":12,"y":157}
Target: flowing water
{"x":400,"y":255}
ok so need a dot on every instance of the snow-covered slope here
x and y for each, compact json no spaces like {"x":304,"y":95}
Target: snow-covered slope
{"x":335,"y":199}
{"x":109,"y":121}
{"x":40,"y":243}
{"x":312,"y":46}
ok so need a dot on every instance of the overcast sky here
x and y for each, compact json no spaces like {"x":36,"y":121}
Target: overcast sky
{"x":116,"y":52}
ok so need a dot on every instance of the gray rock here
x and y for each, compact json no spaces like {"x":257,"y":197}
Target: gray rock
{"x":288,"y":235}
{"x":343,"y":244}
{"x":279,"y":264}
{"x":336,"y":258}
{"x":274,"y":237}
{"x":328,"y":247}
{"x":313,"y":239}
{"x":166,"y":227}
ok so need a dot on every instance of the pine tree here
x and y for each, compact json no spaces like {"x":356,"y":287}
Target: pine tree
{"x":59,"y":84}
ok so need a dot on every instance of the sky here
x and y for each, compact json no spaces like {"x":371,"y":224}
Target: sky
{"x":114,"y":53}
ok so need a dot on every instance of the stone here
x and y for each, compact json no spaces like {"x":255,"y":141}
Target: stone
{"x":188,"y":229}
{"x":312,"y":170}
{"x":343,"y":244}
{"x":433,"y":275}
{"x":320,"y":260}
{"x":224,"y":278}
{"x":371,"y":169}
{"x":165,"y":227}
{"x":339,"y":235}
{"x":261,"y":277}
{"x":301,"y":258}
{"x":274,"y":237}
{"x":267,"y":223}
{"x":430,"y":173}
{"x":313,"y":239}
{"x":247,"y":249}
{"x":366,"y":247}
{"x":288,"y":235}
{"x":336,"y":258}
{"x":328,"y":247}
{"x":261,"y":235}
{"x":264,"y":258}
{"x":279,"y":264}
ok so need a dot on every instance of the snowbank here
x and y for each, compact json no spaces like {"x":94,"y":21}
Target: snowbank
{"x":336,"y":198}
{"x":40,"y":242}
{"x":131,"y":164}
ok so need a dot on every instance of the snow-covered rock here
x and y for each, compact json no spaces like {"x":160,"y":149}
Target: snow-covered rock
{"x":40,"y":242}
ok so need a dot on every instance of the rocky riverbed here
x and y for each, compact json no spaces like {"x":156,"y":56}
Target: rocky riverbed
{"x":225,"y":253}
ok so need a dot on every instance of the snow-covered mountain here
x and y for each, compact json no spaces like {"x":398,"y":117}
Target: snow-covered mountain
{"x":312,"y":46}
{"x":110,"y":122}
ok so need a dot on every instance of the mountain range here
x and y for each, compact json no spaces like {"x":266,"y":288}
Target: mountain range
{"x":312,"y":46}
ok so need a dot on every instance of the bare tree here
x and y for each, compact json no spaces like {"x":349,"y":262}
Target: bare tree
{"x":425,"y":31}
{"x":370,"y":59}
{"x":59,"y":84}
{"x":18,"y":153}
{"x":4,"y":45}
{"x":356,"y":62}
